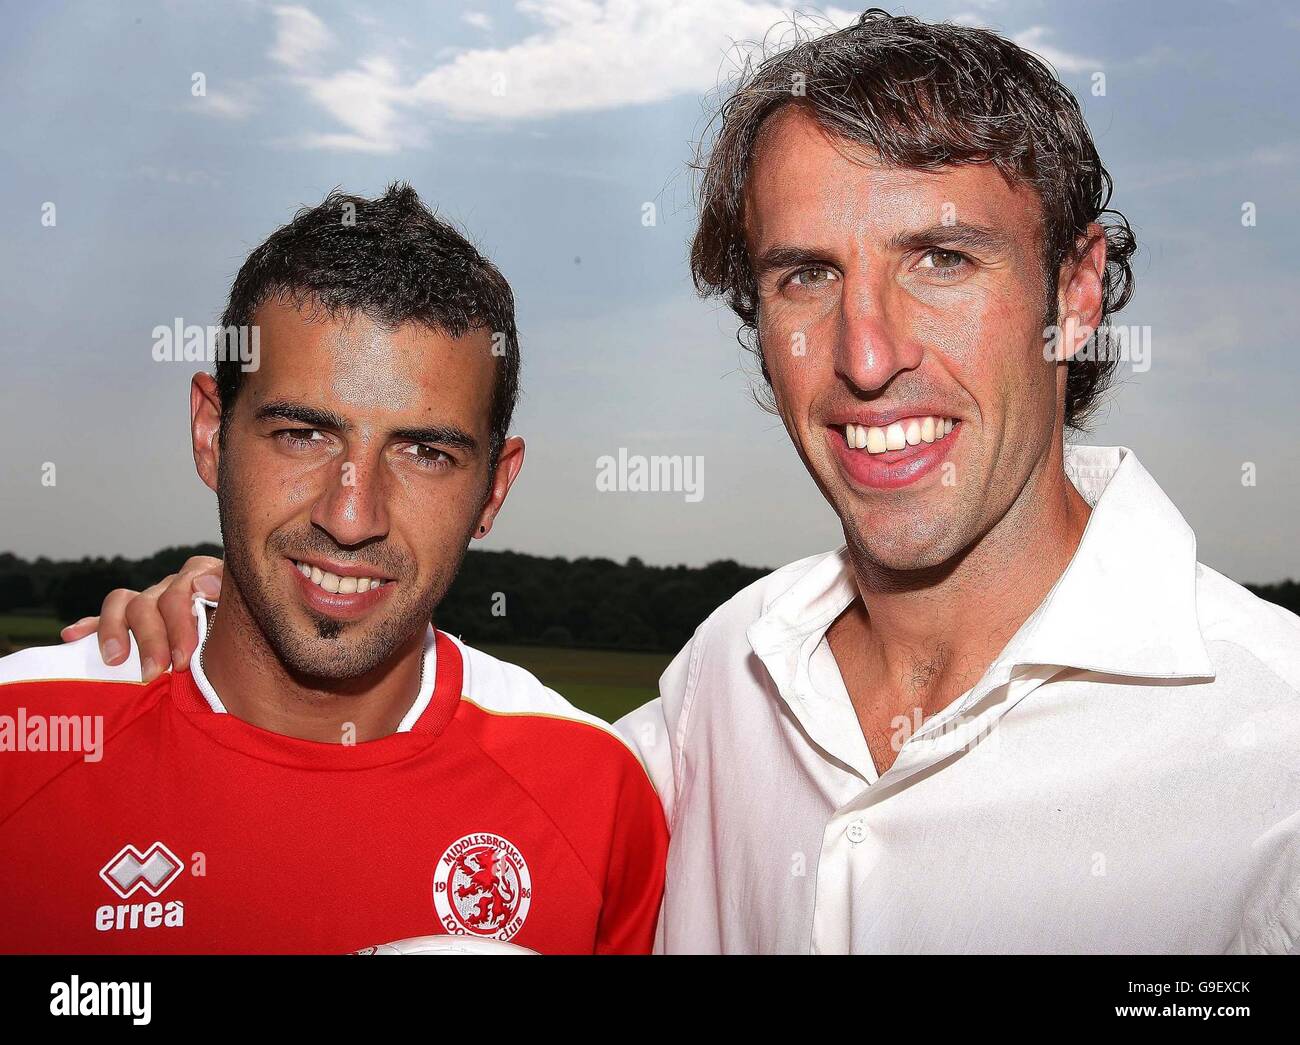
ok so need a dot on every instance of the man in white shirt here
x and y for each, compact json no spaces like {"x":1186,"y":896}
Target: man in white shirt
{"x":1123,"y":776}
{"x":1013,"y":713}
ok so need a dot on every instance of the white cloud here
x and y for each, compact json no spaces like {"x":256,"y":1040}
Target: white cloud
{"x":233,"y":102}
{"x":300,"y":38}
{"x":1033,"y":39}
{"x":586,"y":55}
{"x":583,"y":56}
{"x":366,"y":100}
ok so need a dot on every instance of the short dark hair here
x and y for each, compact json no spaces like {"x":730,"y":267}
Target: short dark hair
{"x":921,"y":96}
{"x":390,"y":259}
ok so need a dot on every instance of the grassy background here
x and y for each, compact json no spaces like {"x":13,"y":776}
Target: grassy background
{"x":607,"y":683}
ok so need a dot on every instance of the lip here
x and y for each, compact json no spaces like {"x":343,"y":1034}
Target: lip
{"x":345,"y":569}
{"x":884,"y":418}
{"x":893,"y":469}
{"x":338,"y":605}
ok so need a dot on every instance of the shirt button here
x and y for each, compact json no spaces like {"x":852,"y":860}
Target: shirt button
{"x":857,"y":832}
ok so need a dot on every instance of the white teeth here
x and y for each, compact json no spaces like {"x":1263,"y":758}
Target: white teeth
{"x":335,"y":584}
{"x":907,"y":432}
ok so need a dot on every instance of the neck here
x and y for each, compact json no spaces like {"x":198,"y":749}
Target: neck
{"x":255,"y":686}
{"x":925,"y":637}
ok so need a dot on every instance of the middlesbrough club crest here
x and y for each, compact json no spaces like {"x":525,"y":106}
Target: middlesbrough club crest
{"x":481,"y":887}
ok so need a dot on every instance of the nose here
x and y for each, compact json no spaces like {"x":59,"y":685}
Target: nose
{"x":873,"y":343}
{"x":352,"y":508}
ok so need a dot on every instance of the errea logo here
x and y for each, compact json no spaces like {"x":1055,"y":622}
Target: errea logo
{"x":153,"y":870}
{"x":131,"y":871}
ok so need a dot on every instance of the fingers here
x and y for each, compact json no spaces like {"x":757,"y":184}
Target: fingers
{"x":114,"y":646}
{"x":201,"y":573}
{"x":80,"y":629}
{"x":146,"y":624}
{"x":161,"y":618}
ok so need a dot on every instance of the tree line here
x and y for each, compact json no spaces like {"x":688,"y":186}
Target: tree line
{"x":499,"y":596}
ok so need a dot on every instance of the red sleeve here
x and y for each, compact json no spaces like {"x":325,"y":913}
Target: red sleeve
{"x":596,"y":794}
{"x":39,"y":718}
{"x":634,"y":881}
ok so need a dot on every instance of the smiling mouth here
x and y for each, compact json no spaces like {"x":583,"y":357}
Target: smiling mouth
{"x":905,"y":432}
{"x":336,"y":585}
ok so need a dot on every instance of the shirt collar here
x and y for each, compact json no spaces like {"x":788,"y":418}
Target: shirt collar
{"x":1125,"y":605}
{"x":440,"y":680}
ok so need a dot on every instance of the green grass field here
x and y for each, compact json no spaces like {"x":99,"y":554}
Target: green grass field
{"x":18,"y":631}
{"x":607,"y":683}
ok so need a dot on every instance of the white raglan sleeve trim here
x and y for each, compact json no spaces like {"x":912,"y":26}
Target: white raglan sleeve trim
{"x":69,"y":660}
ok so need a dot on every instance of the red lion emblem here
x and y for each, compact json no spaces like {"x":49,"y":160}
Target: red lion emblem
{"x":481,"y":886}
{"x":491,"y":888}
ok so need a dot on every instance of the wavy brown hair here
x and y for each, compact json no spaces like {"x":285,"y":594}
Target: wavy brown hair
{"x":921,"y":96}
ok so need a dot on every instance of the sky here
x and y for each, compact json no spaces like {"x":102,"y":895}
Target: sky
{"x":172,"y":137}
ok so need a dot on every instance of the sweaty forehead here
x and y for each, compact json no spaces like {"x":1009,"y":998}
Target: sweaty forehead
{"x":357,"y":366}
{"x":808,"y":187}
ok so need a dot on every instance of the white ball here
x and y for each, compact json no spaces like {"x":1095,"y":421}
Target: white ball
{"x":445,"y":944}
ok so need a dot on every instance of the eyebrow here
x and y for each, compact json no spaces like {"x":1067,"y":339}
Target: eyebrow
{"x":314,"y":417}
{"x":959,"y":234}
{"x":780,"y":257}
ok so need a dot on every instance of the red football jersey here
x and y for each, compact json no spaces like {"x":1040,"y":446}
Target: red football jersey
{"x":497,"y":810}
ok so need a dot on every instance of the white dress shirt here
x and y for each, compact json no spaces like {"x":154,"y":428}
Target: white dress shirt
{"x":1125,"y":777}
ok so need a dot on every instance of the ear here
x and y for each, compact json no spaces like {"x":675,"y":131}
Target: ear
{"x":1080,"y":290}
{"x":205,"y":427}
{"x":509,"y":463}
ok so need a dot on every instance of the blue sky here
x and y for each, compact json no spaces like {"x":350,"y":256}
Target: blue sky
{"x":543,"y":127}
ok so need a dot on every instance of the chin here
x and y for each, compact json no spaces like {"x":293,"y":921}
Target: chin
{"x":327,"y":649}
{"x":903,"y":545}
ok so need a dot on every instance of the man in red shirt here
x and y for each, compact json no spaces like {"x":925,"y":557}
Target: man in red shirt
{"x":330,"y":773}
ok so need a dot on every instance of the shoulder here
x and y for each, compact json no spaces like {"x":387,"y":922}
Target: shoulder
{"x":575,"y":767}
{"x":62,"y":706}
{"x":66,"y":674}
{"x":718,"y":661}
{"x":726,"y":628}
{"x":1236,"y":623}
{"x":513,"y":709}
{"x":78,"y":660}
{"x":721,"y":649}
